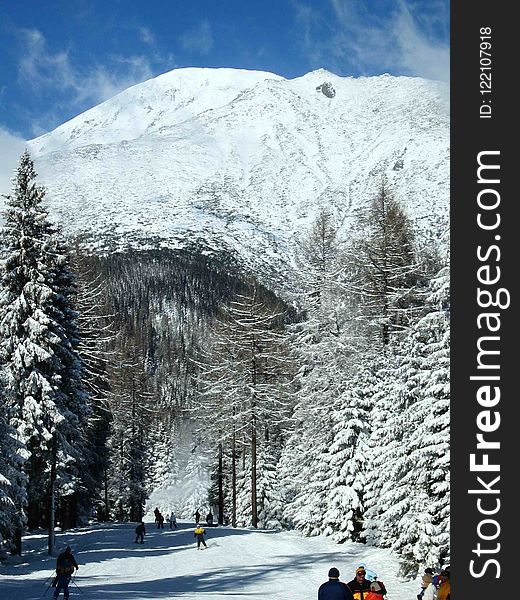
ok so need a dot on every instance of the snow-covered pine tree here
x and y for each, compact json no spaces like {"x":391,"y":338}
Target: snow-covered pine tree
{"x":324,"y":492}
{"x":12,"y":482}
{"x":72,"y":448}
{"x":42,"y":375}
{"x":270,"y":513}
{"x":195,"y":482}
{"x":422,"y":535}
{"x":345,"y":479}
{"x":407,"y":503}
{"x":160,"y":468}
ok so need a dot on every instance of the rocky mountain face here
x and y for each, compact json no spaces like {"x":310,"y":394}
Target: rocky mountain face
{"x":239,"y":162}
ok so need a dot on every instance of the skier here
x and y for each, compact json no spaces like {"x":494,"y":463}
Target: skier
{"x":139,"y":533}
{"x":197,"y":516}
{"x":360,"y":586}
{"x":427,"y":578}
{"x":65,"y":565}
{"x":173,"y":520}
{"x":156,"y":513}
{"x":209,"y":518}
{"x":334,"y":589}
{"x":377,"y":591}
{"x":430,"y":593}
{"x":200,"y":532}
{"x":444,"y":591}
{"x":160,"y":521}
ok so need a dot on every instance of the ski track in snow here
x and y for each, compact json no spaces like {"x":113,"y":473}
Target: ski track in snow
{"x":238,"y":564}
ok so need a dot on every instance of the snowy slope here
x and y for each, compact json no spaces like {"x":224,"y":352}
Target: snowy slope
{"x":237,"y":564}
{"x":243,"y":160}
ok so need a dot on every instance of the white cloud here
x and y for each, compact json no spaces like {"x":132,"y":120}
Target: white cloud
{"x":198,"y":39}
{"x":146,"y":35}
{"x":418,"y":54}
{"x":11,"y":148}
{"x":400,"y":40}
{"x":75,"y":86}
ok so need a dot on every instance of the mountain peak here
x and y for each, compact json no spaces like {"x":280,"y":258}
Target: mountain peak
{"x":242,"y":160}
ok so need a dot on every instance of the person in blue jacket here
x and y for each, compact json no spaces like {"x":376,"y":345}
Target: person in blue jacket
{"x":334,"y":589}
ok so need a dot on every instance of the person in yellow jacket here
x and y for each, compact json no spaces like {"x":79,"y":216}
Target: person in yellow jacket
{"x":200,"y":532}
{"x":444,"y":590}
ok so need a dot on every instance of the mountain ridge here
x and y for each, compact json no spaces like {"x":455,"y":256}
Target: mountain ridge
{"x":241,"y":161}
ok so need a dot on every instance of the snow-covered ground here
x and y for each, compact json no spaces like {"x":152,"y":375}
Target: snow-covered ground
{"x":238,"y":564}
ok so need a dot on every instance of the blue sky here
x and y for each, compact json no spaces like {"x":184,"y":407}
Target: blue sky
{"x":60,"y":57}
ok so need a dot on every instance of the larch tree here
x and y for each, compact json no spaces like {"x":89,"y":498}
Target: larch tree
{"x":383,"y":268}
{"x":247,"y":374}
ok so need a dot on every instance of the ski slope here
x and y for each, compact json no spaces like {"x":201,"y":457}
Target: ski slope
{"x":238,"y":564}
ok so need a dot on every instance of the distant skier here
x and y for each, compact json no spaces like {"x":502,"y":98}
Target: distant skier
{"x":65,"y":565}
{"x":197,"y":517}
{"x":156,"y":513}
{"x":334,"y":589}
{"x":200,"y":532}
{"x":209,"y":518}
{"x":160,"y":521}
{"x":172,"y":520}
{"x":139,"y":533}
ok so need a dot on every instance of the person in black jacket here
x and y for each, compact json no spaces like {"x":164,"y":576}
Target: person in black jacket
{"x":65,"y":565}
{"x":334,"y":589}
{"x":359,"y":586}
{"x":140,"y":530}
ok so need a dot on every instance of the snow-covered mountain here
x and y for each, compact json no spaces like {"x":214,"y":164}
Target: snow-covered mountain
{"x":242,"y":160}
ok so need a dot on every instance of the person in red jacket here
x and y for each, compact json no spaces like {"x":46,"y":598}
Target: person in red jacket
{"x":359,"y":586}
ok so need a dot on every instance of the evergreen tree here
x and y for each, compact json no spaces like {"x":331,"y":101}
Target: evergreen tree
{"x":12,"y":481}
{"x":43,"y":374}
{"x":423,"y":532}
{"x":326,"y":494}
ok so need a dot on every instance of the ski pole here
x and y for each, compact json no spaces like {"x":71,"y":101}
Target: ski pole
{"x":47,"y":588}
{"x":75,"y":584}
{"x":49,"y":577}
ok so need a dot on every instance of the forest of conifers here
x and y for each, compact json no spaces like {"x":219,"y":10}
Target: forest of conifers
{"x":321,"y":405}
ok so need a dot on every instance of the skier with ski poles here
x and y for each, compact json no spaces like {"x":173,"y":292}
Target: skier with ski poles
{"x":200,"y":532}
{"x":65,"y":566}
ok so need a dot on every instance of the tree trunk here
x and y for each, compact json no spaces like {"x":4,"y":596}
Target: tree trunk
{"x":220,"y":487}
{"x":52,"y":498}
{"x":254,"y":507}
{"x":234,"y":479}
{"x":17,"y":542}
{"x":107,"y":509}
